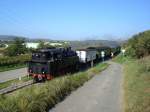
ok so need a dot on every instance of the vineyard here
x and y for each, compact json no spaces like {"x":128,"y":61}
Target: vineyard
{"x":7,"y":63}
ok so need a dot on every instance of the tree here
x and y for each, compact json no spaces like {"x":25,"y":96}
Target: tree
{"x":2,"y":45}
{"x":42,"y":45}
{"x":139,"y":45}
{"x":16,"y":48}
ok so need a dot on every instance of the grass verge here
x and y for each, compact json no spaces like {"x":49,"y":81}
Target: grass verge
{"x":40,"y":98}
{"x":136,"y":84}
{"x":9,"y":83}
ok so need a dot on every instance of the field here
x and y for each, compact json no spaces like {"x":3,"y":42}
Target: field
{"x":42,"y":97}
{"x":136,"y":84}
{"x":10,"y":63}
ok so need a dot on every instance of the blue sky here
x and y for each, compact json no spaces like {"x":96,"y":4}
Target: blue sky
{"x":74,"y":19}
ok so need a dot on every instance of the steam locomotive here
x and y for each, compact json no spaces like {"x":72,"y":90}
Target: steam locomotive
{"x":48,"y":63}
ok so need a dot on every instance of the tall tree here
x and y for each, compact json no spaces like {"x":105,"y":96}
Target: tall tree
{"x":16,"y":48}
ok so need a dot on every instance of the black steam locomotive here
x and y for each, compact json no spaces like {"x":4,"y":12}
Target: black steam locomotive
{"x":51,"y":62}
{"x":48,"y":63}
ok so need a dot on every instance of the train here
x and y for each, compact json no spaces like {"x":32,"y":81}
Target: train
{"x":48,"y":63}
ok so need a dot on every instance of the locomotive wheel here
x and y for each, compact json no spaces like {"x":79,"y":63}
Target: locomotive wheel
{"x":39,"y":79}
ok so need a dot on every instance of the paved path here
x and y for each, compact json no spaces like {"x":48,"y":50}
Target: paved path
{"x":12,"y":74}
{"x":101,"y":94}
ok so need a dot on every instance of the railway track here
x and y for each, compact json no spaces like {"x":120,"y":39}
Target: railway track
{"x":14,"y":87}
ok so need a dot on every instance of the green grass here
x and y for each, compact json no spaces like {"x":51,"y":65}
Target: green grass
{"x":9,"y":83}
{"x":40,"y":98}
{"x":137,"y":86}
{"x":136,"y":83}
{"x":12,"y":67}
{"x":122,"y":59}
{"x":98,"y":68}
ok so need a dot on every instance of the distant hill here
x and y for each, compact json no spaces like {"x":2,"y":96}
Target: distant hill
{"x":9,"y":37}
{"x":74,"y":44}
{"x":93,"y":43}
{"x":12,"y":37}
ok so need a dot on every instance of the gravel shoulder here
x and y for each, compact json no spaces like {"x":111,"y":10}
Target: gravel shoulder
{"x":12,"y":74}
{"x":103,"y":93}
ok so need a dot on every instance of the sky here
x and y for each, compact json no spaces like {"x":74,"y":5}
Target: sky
{"x":74,"y":19}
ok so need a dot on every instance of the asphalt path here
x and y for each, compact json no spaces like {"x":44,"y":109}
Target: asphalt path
{"x":12,"y":74}
{"x":103,"y":93}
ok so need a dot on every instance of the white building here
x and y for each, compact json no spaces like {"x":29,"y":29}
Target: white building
{"x":32,"y":45}
{"x":35,"y":45}
{"x":55,"y":44}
